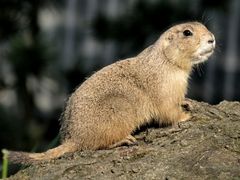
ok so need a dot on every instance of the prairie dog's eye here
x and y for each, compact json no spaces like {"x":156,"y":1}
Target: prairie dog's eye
{"x":187,"y":33}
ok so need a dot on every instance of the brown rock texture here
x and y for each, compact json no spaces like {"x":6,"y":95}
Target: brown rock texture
{"x":206,"y":147}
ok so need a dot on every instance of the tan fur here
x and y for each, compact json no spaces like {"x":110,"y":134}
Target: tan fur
{"x":113,"y":102}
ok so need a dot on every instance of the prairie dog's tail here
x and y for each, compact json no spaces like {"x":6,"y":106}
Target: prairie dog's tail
{"x":18,"y":157}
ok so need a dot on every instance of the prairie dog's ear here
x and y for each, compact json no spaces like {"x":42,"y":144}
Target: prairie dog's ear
{"x":170,"y":36}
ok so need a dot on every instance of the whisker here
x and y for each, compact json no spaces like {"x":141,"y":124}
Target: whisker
{"x":206,"y":19}
{"x":203,"y":17}
{"x":198,"y":70}
{"x":201,"y":67}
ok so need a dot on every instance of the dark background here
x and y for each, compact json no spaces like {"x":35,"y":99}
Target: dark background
{"x":47,"y":48}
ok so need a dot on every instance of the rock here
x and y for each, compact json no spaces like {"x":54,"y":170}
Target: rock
{"x":206,"y":147}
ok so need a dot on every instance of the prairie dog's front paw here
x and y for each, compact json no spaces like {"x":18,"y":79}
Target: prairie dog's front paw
{"x":184,"y":117}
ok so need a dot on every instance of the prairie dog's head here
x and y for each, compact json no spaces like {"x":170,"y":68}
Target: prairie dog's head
{"x":187,"y":44}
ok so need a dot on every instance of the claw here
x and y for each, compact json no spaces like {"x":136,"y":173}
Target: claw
{"x":129,"y":141}
{"x":187,"y":105}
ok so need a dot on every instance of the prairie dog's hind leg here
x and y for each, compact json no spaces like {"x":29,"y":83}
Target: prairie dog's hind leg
{"x":173,"y":114}
{"x":129,"y":141}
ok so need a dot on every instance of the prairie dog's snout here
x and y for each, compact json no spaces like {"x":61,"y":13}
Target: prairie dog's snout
{"x":206,"y":48}
{"x":211,"y":40}
{"x":208,"y":42}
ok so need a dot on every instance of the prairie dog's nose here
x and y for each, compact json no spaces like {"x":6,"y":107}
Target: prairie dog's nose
{"x":211,"y":40}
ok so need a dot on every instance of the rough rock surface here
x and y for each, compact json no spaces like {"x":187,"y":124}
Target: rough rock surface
{"x":206,"y":147}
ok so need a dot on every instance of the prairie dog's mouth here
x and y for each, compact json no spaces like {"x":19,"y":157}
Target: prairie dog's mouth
{"x":202,"y":55}
{"x":210,"y":51}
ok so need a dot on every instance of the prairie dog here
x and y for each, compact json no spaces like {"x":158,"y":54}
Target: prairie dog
{"x":104,"y":111}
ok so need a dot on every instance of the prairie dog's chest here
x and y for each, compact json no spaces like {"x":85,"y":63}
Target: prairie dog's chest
{"x":179,"y":78}
{"x":175,"y":83}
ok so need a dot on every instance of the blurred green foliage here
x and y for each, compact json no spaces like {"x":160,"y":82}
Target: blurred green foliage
{"x":27,"y":54}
